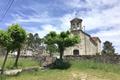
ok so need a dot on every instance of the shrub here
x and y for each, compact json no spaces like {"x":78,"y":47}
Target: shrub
{"x":60,"y":64}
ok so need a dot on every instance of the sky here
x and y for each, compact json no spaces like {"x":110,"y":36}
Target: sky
{"x":101,"y":18}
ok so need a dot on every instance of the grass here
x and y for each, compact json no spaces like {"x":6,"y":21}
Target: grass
{"x":23,"y":62}
{"x":85,"y":64}
{"x":91,"y":69}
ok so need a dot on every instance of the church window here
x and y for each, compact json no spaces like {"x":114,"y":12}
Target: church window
{"x":77,"y":24}
{"x":73,"y":25}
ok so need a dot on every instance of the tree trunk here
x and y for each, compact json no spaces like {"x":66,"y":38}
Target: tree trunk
{"x":61,"y":50}
{"x":2,"y":70}
{"x":61,"y":54}
{"x":51,"y":54}
{"x":17,"y":57}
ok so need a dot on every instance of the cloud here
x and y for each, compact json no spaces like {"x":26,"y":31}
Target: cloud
{"x":112,"y":35}
{"x":101,"y":17}
{"x":43,"y":30}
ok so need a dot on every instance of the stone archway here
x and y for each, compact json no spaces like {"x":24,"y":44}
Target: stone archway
{"x":76,"y":52}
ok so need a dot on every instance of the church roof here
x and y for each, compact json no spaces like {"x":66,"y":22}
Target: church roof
{"x":76,"y":19}
{"x":96,"y":38}
{"x":92,"y":39}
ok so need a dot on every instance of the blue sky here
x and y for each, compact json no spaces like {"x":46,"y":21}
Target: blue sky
{"x":101,"y":17}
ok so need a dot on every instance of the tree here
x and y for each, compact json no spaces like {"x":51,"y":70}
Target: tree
{"x":18,"y":36}
{"x":5,"y":42}
{"x":62,"y":40}
{"x":33,"y":41}
{"x":52,"y":48}
{"x":108,"y":48}
{"x":37,"y":41}
{"x":30,"y":41}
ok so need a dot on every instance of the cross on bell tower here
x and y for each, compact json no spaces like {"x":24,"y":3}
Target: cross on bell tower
{"x":76,"y":24}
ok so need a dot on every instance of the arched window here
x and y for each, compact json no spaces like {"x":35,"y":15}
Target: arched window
{"x":78,"y":25}
{"x":73,"y":25}
{"x":76,"y":52}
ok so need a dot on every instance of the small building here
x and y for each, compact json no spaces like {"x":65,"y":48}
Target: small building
{"x":88,"y":45}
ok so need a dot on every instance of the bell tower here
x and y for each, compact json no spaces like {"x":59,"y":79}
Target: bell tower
{"x":76,"y":24}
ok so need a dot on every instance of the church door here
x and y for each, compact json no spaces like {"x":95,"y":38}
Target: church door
{"x":75,"y":52}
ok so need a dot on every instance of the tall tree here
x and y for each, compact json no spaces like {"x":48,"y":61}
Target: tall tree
{"x":63,"y":40}
{"x":18,"y":35}
{"x":37,"y":41}
{"x":108,"y":48}
{"x":5,"y":42}
{"x":33,"y":41}
{"x":30,"y":41}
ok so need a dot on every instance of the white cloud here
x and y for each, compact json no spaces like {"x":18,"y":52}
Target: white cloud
{"x":42,"y":30}
{"x":66,"y":21}
{"x":110,"y":35}
{"x":103,"y":15}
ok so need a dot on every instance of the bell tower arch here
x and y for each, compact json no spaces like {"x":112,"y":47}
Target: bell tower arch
{"x":76,"y":24}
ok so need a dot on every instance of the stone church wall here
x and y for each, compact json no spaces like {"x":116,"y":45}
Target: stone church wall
{"x":85,"y":47}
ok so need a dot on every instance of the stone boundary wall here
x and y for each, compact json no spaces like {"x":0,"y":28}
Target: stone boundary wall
{"x":114,"y":59}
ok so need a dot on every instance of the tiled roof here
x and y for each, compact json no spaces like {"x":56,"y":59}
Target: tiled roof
{"x":96,"y":38}
{"x":92,"y":39}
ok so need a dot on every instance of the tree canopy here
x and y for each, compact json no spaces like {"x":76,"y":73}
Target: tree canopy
{"x":62,"y":40}
{"x":33,"y":41}
{"x":18,"y":34}
{"x":108,"y":48}
{"x":5,"y":40}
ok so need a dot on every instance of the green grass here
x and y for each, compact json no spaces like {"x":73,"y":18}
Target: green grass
{"x":93,"y":70}
{"x":23,"y":62}
{"x":85,"y":64}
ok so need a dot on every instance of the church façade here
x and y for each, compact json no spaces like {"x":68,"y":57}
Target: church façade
{"x":88,"y":45}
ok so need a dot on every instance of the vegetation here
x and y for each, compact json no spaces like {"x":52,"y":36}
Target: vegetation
{"x":23,"y":62}
{"x":62,"y":40}
{"x":60,"y":64}
{"x":108,"y":48}
{"x":5,"y":42}
{"x":89,"y":69}
{"x":33,"y":41}
{"x":51,"y":48}
{"x":14,"y":35}
{"x":18,"y":36}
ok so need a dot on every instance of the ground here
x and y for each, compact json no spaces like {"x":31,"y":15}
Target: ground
{"x":79,"y":70}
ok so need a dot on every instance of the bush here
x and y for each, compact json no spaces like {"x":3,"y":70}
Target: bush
{"x":60,"y":64}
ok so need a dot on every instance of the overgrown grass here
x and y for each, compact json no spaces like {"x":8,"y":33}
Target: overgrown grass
{"x":86,"y":64}
{"x":93,"y":70}
{"x":23,"y":62}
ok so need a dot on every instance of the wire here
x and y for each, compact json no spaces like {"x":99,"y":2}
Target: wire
{"x":7,"y":10}
{"x":1,"y":9}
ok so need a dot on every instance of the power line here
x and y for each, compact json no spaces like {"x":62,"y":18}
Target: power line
{"x":1,"y":9}
{"x":7,"y":10}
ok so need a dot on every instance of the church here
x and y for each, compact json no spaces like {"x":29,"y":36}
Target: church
{"x":88,"y":45}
